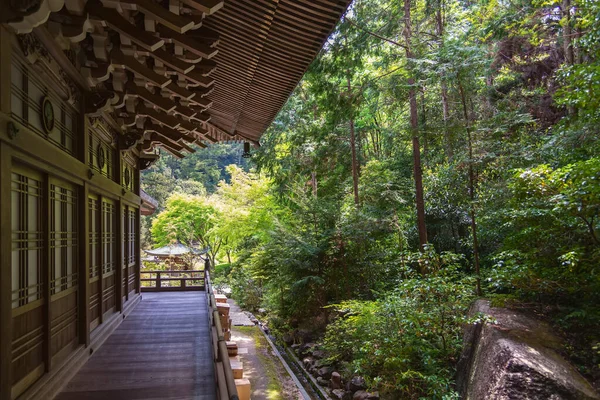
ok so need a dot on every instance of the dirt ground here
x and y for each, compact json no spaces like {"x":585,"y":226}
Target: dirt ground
{"x":268,"y":377}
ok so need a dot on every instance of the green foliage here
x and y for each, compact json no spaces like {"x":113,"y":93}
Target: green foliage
{"x":406,"y":342}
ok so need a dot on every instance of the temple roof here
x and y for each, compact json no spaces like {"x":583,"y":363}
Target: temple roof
{"x":177,"y":73}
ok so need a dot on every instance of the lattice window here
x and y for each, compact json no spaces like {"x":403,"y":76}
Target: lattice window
{"x":108,"y":237}
{"x":27,"y":237}
{"x":131,"y":234}
{"x":27,"y":93}
{"x":94,"y":237}
{"x":63,"y":237}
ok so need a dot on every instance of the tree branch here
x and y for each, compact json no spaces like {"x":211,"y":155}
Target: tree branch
{"x":375,"y":34}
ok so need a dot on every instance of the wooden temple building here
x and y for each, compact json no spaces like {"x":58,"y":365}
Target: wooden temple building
{"x":90,"y":91}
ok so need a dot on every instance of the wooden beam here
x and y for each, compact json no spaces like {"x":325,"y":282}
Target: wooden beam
{"x":206,"y":6}
{"x":185,"y":111}
{"x":179,"y":91}
{"x":199,"y":79}
{"x":131,"y":64}
{"x":191,"y":44}
{"x":163,"y":16}
{"x":186,"y":147}
{"x":116,"y":22}
{"x":168,"y":120}
{"x":165,"y":104}
{"x":172,"y":61}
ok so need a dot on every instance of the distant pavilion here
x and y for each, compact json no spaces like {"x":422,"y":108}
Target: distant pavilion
{"x":176,"y":254}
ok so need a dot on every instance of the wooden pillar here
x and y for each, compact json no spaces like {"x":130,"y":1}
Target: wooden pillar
{"x":5,"y":225}
{"x":46,"y":274}
{"x":138,"y":260}
{"x":119,"y":254}
{"x":84,"y":267}
{"x":102,"y":226}
{"x":84,"y":235}
{"x":5,"y":267}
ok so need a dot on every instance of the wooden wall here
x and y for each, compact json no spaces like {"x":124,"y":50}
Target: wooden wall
{"x":69,"y":225}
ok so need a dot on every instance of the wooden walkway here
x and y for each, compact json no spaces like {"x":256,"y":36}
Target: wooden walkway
{"x":160,"y":351}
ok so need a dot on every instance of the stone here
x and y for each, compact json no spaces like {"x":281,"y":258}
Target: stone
{"x":307,"y":349}
{"x":308,"y":362}
{"x":336,"y":380}
{"x":357,"y":383}
{"x":337,"y":394}
{"x":360,"y":395}
{"x":288,"y":338}
{"x":318,"y":354}
{"x":511,"y":356}
{"x":322,"y":381}
{"x":325,"y":372}
{"x":373,"y":396}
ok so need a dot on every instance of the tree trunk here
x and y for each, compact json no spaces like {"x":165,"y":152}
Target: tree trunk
{"x":353,"y":148}
{"x":567,"y":32}
{"x":444,"y":88}
{"x":414,"y":123}
{"x":472,"y":185}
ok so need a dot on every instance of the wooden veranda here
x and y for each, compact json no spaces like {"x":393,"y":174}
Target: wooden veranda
{"x":162,"y":350}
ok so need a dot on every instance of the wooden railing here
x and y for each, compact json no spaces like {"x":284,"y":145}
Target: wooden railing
{"x":226,"y":389}
{"x":155,"y":281}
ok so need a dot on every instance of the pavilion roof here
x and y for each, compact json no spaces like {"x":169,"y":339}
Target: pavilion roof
{"x":174,"y":250}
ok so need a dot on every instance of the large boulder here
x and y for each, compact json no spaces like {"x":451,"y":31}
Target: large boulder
{"x":511,"y":356}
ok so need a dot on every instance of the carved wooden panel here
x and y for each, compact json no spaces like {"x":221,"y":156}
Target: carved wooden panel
{"x":63,"y":323}
{"x":38,"y":107}
{"x":101,"y":155}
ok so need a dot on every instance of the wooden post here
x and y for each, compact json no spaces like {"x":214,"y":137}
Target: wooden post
{"x":102,"y":226}
{"x":46,"y":274}
{"x":84,"y":268}
{"x":158,"y":280}
{"x":5,"y":264}
{"x":119,"y":254}
{"x":138,"y":260}
{"x":5,"y":225}
{"x":84,"y":234}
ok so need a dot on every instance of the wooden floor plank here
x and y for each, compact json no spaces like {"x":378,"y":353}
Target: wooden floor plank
{"x":161,"y":351}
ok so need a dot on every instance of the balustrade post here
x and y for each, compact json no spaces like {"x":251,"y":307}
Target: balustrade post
{"x":158,"y":280}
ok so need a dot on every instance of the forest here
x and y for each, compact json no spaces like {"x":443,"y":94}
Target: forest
{"x":436,"y":151}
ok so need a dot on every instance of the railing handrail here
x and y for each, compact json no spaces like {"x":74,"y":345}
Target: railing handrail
{"x":226,"y":379}
{"x":196,"y":277}
{"x":171,"y":271}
